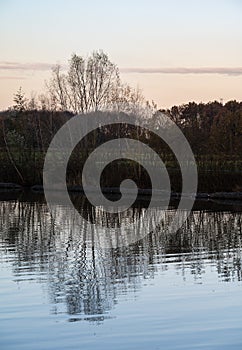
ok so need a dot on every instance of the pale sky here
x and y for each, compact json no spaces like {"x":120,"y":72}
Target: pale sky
{"x":175,"y":51}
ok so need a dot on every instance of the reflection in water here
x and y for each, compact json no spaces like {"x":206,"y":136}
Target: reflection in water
{"x":89,"y":279}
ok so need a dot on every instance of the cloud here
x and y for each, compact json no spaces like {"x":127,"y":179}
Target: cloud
{"x":45,"y":66}
{"x":183,"y":70}
{"x":6,"y":65}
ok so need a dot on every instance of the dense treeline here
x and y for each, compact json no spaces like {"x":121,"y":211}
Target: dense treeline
{"x":213,"y":130}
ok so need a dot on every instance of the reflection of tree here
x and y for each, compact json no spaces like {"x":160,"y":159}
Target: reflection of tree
{"x":89,"y":278}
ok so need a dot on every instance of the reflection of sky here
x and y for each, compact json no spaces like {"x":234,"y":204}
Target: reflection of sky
{"x":149,"y":34}
{"x":169,"y":310}
{"x":170,"y":292}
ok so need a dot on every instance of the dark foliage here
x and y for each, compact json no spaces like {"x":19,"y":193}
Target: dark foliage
{"x":213,"y":130}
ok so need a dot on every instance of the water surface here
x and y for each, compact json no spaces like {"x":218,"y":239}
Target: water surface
{"x":59,"y":290}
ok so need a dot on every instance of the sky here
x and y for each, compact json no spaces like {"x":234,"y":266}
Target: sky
{"x":174,"y":51}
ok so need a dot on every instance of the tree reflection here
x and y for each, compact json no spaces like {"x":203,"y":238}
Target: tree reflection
{"x":88,"y":278}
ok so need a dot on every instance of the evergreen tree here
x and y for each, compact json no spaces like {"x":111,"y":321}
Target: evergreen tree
{"x":19,"y":100}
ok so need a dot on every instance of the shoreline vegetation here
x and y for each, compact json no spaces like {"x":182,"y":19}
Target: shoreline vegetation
{"x":26,"y":135}
{"x":213,"y":130}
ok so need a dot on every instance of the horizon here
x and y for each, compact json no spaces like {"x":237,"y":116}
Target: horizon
{"x":170,"y":63}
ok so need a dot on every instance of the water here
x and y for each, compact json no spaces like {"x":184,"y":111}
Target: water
{"x":168,"y":291}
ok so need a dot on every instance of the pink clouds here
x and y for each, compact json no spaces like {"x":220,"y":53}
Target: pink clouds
{"x":45,"y":66}
{"x":184,"y":70}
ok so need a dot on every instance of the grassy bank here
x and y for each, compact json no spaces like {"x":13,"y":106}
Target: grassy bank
{"x":25,"y":167}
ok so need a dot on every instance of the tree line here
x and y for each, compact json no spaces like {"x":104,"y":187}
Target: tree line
{"x":214,"y":129}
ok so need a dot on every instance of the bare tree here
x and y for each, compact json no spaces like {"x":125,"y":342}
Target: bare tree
{"x":57,"y":88}
{"x":127,"y":99}
{"x":32,"y":103}
{"x":48,"y":102}
{"x":93,"y":83}
{"x":88,"y":85}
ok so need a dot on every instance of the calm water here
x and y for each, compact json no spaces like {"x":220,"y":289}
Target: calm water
{"x":167,"y":291}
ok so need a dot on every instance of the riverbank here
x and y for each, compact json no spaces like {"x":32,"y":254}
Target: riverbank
{"x":116,"y":191}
